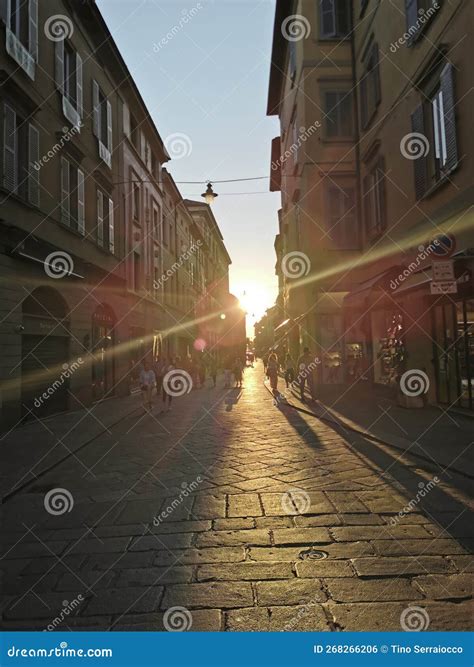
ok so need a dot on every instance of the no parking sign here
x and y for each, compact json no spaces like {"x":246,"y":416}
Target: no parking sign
{"x":444,"y":246}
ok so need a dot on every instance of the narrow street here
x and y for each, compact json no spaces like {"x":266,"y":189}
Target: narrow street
{"x":247,"y":516}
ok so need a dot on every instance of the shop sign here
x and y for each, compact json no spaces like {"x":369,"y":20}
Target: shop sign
{"x":443,"y":270}
{"x":444,"y":287}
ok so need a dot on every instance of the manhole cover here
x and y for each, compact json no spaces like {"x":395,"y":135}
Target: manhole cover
{"x":313,"y":554}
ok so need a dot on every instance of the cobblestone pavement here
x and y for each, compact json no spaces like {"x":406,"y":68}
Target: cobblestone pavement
{"x":233,"y":513}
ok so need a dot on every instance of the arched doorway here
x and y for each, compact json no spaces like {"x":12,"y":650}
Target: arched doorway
{"x":44,"y":352}
{"x":103,"y":341}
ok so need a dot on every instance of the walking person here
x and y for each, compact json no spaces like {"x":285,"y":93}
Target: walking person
{"x":305,"y":373}
{"x":289,"y":367}
{"x":213,"y":370}
{"x":202,"y":373}
{"x":272,"y":372}
{"x":238,"y":372}
{"x":227,"y":373}
{"x":147,"y":384}
{"x":159,"y":367}
{"x":167,"y":397}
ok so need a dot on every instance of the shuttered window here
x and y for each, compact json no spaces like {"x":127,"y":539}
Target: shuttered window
{"x":68,"y":76}
{"x":418,"y":14}
{"x":374,"y":200}
{"x":370,"y":89}
{"x":21,"y":156}
{"x":105,"y":224}
{"x":341,"y":218}
{"x":21,"y":18}
{"x":102,"y":123}
{"x":334,"y":18}
{"x":72,"y":196}
{"x":338,"y":114}
{"x":435,"y":119}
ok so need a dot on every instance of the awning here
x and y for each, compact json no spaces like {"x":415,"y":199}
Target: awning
{"x":372,"y":289}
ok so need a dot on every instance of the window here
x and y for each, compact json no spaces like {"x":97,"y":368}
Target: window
{"x":134,"y":132}
{"x":166,"y":227}
{"x":342,"y":220}
{"x":339,"y":114}
{"x":374,"y":200}
{"x":435,"y":120}
{"x":418,"y":14}
{"x":21,"y":165}
{"x":363,"y":7}
{"x":21,"y":19}
{"x":334,"y":18}
{"x":370,"y":92}
{"x":136,"y":202}
{"x":68,"y":75}
{"x":105,"y":222}
{"x":102,"y":124}
{"x":72,"y":196}
{"x":156,"y":222}
{"x":292,"y":62}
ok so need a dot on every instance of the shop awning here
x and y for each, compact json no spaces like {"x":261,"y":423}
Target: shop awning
{"x":373,"y":287}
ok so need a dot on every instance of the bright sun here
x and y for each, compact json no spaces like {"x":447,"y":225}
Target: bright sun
{"x":254,"y":299}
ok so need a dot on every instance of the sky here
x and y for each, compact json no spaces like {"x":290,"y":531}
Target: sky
{"x":202,"y":68}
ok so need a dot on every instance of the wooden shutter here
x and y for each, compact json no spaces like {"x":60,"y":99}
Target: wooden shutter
{"x":5,"y":12}
{"x":65,"y":191}
{"x":381,"y":194}
{"x":111,"y":227}
{"x":9,"y":149}
{"x":420,"y":164}
{"x":109,"y":126}
{"x":33,"y":159}
{"x":96,"y":109}
{"x":33,"y":29}
{"x":378,"y":92}
{"x":59,"y":64}
{"x":411,"y":11}
{"x":100,"y":218}
{"x":81,"y":218}
{"x":126,"y":120}
{"x":79,"y":86}
{"x":449,"y":112}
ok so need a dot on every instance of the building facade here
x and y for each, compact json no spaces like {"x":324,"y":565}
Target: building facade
{"x":386,"y":171}
{"x":97,"y":262}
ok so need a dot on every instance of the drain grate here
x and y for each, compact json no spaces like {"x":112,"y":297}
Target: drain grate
{"x":313,"y":554}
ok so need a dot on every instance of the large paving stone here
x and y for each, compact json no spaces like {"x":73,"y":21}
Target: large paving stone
{"x":278,"y":619}
{"x":324,"y":568}
{"x":350,"y":533}
{"x":291,"y":591}
{"x":202,"y":620}
{"x":303,"y":536}
{"x":401,"y":565}
{"x":195,"y":556}
{"x":244,"y":571}
{"x":404,"y":547}
{"x":223,"y":538}
{"x":124,"y":601}
{"x":244,"y":505}
{"x":161,"y":541}
{"x":360,"y":590}
{"x":445,"y":587}
{"x":209,"y":595}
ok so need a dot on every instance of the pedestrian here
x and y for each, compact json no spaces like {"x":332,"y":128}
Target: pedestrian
{"x":213,"y":370}
{"x":147,"y":384}
{"x":238,"y":370}
{"x":159,"y":368}
{"x":167,"y":397}
{"x":272,"y":372}
{"x":202,"y":373}
{"x":305,"y":373}
{"x":227,"y":373}
{"x":289,"y":367}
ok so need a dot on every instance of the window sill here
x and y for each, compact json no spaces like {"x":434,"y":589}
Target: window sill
{"x":439,"y":183}
{"x":20,"y":54}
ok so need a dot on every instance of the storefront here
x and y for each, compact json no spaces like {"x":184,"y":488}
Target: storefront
{"x":103,"y":341}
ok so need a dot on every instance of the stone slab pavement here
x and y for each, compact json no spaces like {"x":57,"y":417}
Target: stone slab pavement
{"x":232,"y":512}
